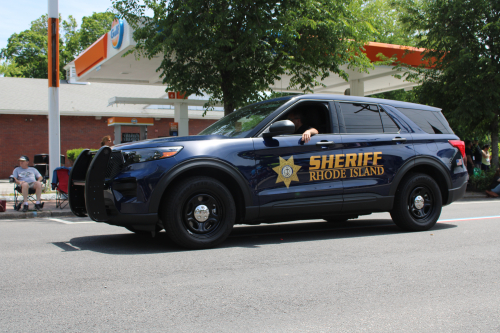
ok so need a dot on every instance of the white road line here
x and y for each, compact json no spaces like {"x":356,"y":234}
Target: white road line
{"x":67,"y":222}
{"x":472,"y":202}
{"x":472,"y":218}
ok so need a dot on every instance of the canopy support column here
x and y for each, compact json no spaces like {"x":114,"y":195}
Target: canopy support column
{"x":182,"y":118}
{"x":143,"y":132}
{"x":357,"y":87}
{"x":118,"y":134}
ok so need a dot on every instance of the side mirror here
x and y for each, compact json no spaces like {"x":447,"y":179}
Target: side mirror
{"x":280,"y":128}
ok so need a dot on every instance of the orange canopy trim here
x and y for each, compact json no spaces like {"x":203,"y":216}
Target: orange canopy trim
{"x":412,"y":58}
{"x":130,"y":121}
{"x":93,"y":55}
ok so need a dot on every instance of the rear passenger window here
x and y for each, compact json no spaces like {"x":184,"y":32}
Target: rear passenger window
{"x":366,"y":118}
{"x":432,"y":122}
{"x":388,"y":123}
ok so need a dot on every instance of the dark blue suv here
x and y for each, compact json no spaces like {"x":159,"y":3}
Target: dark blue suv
{"x":370,"y":155}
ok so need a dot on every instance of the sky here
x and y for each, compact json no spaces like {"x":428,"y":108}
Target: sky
{"x":17,"y":15}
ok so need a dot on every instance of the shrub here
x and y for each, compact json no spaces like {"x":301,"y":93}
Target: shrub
{"x":72,"y":154}
{"x":483,"y":180}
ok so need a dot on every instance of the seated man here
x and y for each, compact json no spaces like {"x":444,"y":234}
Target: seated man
{"x":307,"y":131}
{"x":28,"y":178}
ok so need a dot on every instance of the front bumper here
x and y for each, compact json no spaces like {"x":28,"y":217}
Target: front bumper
{"x":90,"y":192}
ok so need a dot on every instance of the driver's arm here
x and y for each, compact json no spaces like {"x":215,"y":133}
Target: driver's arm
{"x":306,"y":136}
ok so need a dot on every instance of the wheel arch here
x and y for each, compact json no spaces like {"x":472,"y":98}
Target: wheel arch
{"x":428,"y":166}
{"x":219,"y":170}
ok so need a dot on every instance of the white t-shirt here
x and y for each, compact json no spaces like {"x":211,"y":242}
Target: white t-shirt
{"x":28,"y":175}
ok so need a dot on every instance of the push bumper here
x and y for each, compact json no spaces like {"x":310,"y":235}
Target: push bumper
{"x":88,"y":184}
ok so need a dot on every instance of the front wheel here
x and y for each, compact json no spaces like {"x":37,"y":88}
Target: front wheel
{"x":198,"y":213}
{"x":417,"y":204}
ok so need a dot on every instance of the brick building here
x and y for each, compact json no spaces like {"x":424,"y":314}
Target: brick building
{"x":84,"y":114}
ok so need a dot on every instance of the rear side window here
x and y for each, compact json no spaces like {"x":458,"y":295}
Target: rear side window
{"x":432,"y":122}
{"x":366,"y":118}
{"x":388,"y":123}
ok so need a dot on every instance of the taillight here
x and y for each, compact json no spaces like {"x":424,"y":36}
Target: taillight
{"x":458,"y":144}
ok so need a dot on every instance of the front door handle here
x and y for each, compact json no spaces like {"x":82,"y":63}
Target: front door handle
{"x":398,"y":138}
{"x":325,"y":143}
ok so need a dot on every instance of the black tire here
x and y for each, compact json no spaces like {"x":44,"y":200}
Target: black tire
{"x":216,"y":216}
{"x":410,"y":212}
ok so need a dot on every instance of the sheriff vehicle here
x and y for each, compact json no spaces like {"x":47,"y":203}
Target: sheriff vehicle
{"x":370,"y":155}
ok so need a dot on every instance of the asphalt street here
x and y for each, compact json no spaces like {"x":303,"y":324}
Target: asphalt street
{"x":366,"y":275}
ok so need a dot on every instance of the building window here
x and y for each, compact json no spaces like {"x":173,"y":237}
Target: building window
{"x":129,"y":137}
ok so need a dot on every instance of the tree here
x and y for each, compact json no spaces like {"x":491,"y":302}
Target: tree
{"x":462,"y":42}
{"x":383,"y":15}
{"x":92,"y":28}
{"x":26,"y":52}
{"x":9,"y":69}
{"x":232,"y":50}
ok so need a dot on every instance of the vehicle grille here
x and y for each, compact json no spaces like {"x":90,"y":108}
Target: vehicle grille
{"x":115,"y":164}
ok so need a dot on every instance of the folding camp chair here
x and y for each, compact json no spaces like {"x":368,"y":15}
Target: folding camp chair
{"x":61,"y":186}
{"x":18,"y":193}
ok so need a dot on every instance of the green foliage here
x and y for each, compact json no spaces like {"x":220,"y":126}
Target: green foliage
{"x":72,"y":154}
{"x":383,"y":16}
{"x":92,"y":28}
{"x":232,"y":50}
{"x":10,"y":69}
{"x":399,"y":95}
{"x":26,"y":52}
{"x":483,"y":180}
{"x":461,"y":38}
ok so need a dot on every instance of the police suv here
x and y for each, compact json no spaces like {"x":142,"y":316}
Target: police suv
{"x":370,"y":155}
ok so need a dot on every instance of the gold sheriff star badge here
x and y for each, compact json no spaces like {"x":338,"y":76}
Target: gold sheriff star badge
{"x":287,"y":171}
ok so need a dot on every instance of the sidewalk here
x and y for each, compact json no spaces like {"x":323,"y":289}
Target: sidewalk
{"x":49,"y":210}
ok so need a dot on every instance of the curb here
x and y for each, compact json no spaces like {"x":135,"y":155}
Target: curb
{"x":35,"y":214}
{"x":10,"y":198}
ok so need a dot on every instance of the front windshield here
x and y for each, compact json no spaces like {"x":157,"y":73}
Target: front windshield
{"x":239,"y":123}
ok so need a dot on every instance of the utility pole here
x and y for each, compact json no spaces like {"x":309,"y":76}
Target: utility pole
{"x":53,"y":59}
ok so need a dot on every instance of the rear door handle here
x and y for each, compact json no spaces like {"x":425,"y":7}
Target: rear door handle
{"x":398,"y":138}
{"x":325,"y":143}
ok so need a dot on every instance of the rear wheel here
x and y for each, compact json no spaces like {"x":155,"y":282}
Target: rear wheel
{"x":417,"y":204}
{"x":198,"y":213}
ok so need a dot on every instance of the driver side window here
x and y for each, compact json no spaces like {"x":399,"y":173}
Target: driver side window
{"x":310,"y":115}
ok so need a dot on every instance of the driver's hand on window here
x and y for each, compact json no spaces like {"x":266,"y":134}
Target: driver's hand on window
{"x":306,"y":136}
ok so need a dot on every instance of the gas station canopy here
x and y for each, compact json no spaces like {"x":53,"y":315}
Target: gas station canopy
{"x":104,"y":62}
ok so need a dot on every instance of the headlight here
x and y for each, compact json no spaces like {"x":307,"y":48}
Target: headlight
{"x":150,"y":154}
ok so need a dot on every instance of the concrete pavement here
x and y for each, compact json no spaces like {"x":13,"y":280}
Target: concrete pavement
{"x":73,"y":275}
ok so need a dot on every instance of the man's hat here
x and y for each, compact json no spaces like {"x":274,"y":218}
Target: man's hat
{"x":24,"y":158}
